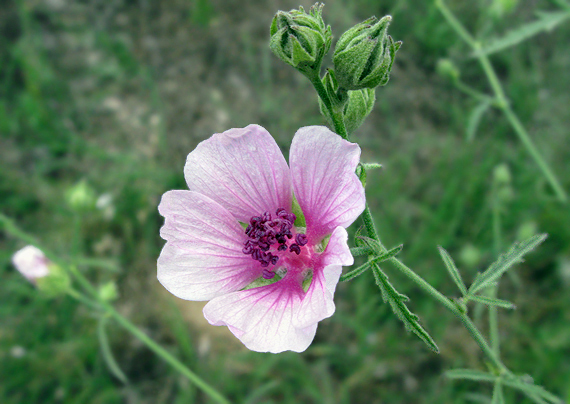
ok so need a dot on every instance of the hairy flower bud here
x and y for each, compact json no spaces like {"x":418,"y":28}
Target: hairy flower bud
{"x":355,"y":108}
{"x":364,"y":55}
{"x":300,"y":39}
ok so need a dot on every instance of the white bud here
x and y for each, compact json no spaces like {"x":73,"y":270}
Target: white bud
{"x":31,"y":262}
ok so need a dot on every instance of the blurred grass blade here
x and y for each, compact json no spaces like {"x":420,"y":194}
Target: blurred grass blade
{"x":475,"y":118}
{"x":546,"y":21}
{"x":364,"y":267}
{"x":470,"y":374}
{"x":498,"y":397}
{"x":490,"y":301}
{"x":107,"y":353}
{"x":505,"y":262}
{"x":532,"y":390}
{"x":452,"y":269}
{"x":397,"y":303}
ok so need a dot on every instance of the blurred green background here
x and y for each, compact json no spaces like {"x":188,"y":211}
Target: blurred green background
{"x":113,"y":95}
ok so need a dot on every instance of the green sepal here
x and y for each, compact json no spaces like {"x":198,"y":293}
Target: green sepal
{"x":298,"y":212}
{"x":56,"y":283}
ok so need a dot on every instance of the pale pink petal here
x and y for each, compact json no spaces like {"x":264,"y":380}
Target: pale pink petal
{"x":318,"y":302}
{"x":31,"y":262}
{"x":203,"y":255}
{"x":263,"y":318}
{"x":322,"y":170}
{"x":241,"y":169}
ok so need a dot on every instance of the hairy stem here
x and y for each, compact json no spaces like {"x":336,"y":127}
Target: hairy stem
{"x":336,"y":115}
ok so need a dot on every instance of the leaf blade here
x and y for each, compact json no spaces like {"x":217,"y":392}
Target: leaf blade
{"x":490,"y":301}
{"x":505,"y":262}
{"x":470,"y":374}
{"x":397,"y":303}
{"x":546,"y":21}
{"x":108,"y":353}
{"x":452,"y":269}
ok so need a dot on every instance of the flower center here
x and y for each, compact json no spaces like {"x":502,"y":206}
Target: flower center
{"x":272,"y":233}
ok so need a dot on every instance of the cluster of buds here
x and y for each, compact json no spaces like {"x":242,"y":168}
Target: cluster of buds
{"x":363,"y":59}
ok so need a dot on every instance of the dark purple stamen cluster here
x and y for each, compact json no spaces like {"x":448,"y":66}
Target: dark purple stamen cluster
{"x":264,"y":231}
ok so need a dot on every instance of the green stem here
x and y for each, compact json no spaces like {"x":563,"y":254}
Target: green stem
{"x":336,"y":115}
{"x":153,"y":346}
{"x":450,"y":305}
{"x":502,"y":100}
{"x":493,"y":290}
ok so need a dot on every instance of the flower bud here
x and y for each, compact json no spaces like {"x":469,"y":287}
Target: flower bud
{"x":447,"y":69}
{"x":300,"y":39}
{"x":49,"y":278}
{"x":355,"y":108}
{"x":364,"y":55}
{"x":80,"y":197}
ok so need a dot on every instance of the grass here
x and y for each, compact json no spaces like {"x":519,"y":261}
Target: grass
{"x":117,"y":93}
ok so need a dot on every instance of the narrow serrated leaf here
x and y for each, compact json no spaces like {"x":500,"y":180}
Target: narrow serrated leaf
{"x":490,"y":301}
{"x":364,"y":267}
{"x":470,"y":374}
{"x":546,"y":21}
{"x":108,"y":353}
{"x":452,"y":269}
{"x":475,"y":118}
{"x":505,"y":262}
{"x":498,"y":397}
{"x":397,"y":303}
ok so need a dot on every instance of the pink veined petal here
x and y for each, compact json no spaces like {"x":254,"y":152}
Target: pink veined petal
{"x":241,"y":169}
{"x":322,"y":170}
{"x":318,"y":302}
{"x":262,"y":318}
{"x":203,"y":255}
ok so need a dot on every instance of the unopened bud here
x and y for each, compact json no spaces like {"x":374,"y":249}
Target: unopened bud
{"x":447,"y":69}
{"x":49,"y":278}
{"x":81,"y":196}
{"x":364,"y":55}
{"x":301,"y":39}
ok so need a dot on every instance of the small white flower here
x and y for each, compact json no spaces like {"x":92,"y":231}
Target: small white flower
{"x":31,"y":262}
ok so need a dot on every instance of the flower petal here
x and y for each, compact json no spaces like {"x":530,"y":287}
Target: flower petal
{"x":318,"y":302}
{"x":241,"y":169}
{"x":31,"y":262}
{"x":262,"y":318}
{"x":203,"y":255}
{"x":322,"y":170}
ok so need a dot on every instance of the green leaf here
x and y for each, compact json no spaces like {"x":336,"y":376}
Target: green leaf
{"x":452,"y":269}
{"x":358,"y":251}
{"x":108,"y":353}
{"x":490,"y":301}
{"x":397,"y":303}
{"x":546,"y":21}
{"x":498,"y":397}
{"x":475,"y":118}
{"x":470,"y":374}
{"x":364,"y":267}
{"x":532,"y":390}
{"x":505,"y":262}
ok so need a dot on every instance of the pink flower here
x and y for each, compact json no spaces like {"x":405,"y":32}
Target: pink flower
{"x":31,"y":262}
{"x":234,"y":230}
